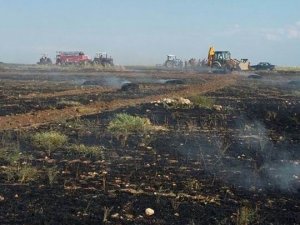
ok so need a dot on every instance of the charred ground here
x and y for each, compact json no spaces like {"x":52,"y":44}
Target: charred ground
{"x":206,"y":164}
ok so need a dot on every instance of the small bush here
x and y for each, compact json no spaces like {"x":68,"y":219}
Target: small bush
{"x":90,"y":151}
{"x":202,"y":101}
{"x":27,"y":173}
{"x":296,"y":93}
{"x":16,"y":167}
{"x":10,"y":173}
{"x":52,"y":174}
{"x":125,"y":124}
{"x":49,"y":141}
{"x":11,"y":156}
{"x":245,"y":216}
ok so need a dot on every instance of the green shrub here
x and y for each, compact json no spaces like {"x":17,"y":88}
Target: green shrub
{"x":202,"y":101}
{"x":125,"y":124}
{"x":49,"y":141}
{"x":27,"y":173}
{"x":10,"y":173}
{"x":90,"y":151}
{"x":12,"y":156}
{"x":296,"y":93}
{"x":245,"y":216}
{"x":52,"y":173}
{"x":16,"y":165}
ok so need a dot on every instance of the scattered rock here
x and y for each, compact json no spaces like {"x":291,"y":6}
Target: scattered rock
{"x":127,"y":157}
{"x":149,"y":212}
{"x":217,"y":107}
{"x":184,"y":101}
{"x":172,"y":161}
{"x":115,"y":216}
{"x":129,"y":216}
{"x":74,"y":161}
{"x":170,"y":101}
{"x":50,"y":161}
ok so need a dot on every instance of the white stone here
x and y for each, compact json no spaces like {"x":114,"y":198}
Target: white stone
{"x":184,"y":101}
{"x":149,"y":212}
{"x":115,"y":216}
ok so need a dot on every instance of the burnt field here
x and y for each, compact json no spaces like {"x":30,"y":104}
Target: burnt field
{"x":32,"y":92}
{"x":195,"y":149}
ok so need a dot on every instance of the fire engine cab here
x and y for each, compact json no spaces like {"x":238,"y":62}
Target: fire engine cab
{"x":77,"y":57}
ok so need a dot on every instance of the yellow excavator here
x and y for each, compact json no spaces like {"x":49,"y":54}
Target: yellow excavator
{"x":221,"y":60}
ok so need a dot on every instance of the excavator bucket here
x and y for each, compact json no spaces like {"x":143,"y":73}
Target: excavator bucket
{"x":244,"y":64}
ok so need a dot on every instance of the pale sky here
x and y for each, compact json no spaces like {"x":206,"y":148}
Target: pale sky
{"x":143,"y":32}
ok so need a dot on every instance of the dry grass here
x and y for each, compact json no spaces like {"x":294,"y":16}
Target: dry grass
{"x":90,"y":151}
{"x":288,"y":68}
{"x":202,"y":101}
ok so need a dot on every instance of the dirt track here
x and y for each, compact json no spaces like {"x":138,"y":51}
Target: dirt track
{"x":55,"y":115}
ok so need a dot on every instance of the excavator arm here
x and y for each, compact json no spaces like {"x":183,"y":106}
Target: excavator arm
{"x":211,"y":53}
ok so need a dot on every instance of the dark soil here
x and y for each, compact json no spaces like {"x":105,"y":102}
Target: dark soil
{"x":237,"y":165}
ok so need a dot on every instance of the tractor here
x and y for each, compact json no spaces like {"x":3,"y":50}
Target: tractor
{"x":221,"y":60}
{"x":45,"y":60}
{"x":103,"y":59}
{"x":173,"y":63}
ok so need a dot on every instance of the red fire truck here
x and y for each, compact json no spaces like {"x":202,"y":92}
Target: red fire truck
{"x":78,"y":57}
